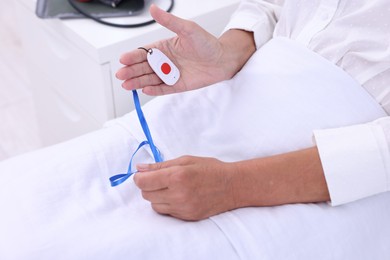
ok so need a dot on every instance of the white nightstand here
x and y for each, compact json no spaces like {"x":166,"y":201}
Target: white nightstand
{"x":72,"y":64}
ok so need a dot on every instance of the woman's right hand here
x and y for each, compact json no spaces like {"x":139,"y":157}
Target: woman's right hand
{"x":201,"y":58}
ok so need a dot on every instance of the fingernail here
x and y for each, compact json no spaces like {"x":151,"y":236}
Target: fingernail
{"x":125,"y":86}
{"x":121,"y":60}
{"x":142,"y":167}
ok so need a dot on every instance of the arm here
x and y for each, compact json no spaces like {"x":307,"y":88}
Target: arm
{"x":194,"y":188}
{"x":295,"y":177}
{"x":354,"y":164}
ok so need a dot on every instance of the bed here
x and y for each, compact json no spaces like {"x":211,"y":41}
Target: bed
{"x":57,"y":202}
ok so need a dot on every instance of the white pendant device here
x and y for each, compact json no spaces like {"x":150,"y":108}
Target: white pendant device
{"x":163,"y":66}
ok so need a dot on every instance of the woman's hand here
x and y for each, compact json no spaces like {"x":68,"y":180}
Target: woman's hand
{"x":201,"y":58}
{"x":194,"y":188}
{"x":189,"y":188}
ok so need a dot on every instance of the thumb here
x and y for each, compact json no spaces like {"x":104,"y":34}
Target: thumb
{"x":161,"y":165}
{"x":153,"y":166}
{"x":170,"y":21}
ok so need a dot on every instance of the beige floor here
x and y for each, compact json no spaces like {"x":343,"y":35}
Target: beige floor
{"x":18,"y":127}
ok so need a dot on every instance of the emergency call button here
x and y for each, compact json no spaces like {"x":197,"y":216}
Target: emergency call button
{"x":165,"y":68}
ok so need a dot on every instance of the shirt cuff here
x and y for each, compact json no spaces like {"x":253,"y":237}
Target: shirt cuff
{"x":261,"y":32}
{"x":259,"y":18}
{"x":355,"y":160}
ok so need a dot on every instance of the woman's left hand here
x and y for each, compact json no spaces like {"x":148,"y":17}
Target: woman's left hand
{"x":189,"y":188}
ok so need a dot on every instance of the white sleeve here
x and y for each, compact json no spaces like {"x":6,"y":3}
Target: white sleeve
{"x":356,"y":160}
{"x":257,"y":16}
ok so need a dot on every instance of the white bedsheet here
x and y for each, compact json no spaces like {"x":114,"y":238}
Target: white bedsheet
{"x":56,"y":203}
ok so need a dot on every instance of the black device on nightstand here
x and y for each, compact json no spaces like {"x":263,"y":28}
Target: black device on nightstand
{"x":98,"y":8}
{"x":94,"y":9}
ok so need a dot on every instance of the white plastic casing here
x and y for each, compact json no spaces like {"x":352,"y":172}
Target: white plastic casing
{"x":163,"y":67}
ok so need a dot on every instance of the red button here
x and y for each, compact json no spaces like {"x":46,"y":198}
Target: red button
{"x":165,"y":68}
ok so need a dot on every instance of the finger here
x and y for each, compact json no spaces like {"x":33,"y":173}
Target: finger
{"x":133,"y":71}
{"x":159,"y":196}
{"x":140,"y":82}
{"x":167,"y":209}
{"x":178,"y":25}
{"x":151,"y":181}
{"x":135,"y":56}
{"x":180,"y":161}
{"x":161,"y":208}
{"x":159,"y":90}
{"x":143,"y":167}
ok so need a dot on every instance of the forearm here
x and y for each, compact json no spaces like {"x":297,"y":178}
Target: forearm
{"x":295,"y":177}
{"x":238,"y":46}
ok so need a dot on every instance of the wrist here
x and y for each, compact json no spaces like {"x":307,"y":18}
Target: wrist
{"x":246,"y":188}
{"x":295,"y":177}
{"x":237,"y":47}
{"x":249,"y":184}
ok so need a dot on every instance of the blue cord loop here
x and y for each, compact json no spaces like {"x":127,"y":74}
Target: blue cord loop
{"x":120,"y":178}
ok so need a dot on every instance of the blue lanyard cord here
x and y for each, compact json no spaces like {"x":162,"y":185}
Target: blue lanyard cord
{"x":145,"y":128}
{"x":120,"y":178}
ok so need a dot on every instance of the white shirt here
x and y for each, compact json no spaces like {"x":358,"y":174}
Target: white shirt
{"x":355,"y":35}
